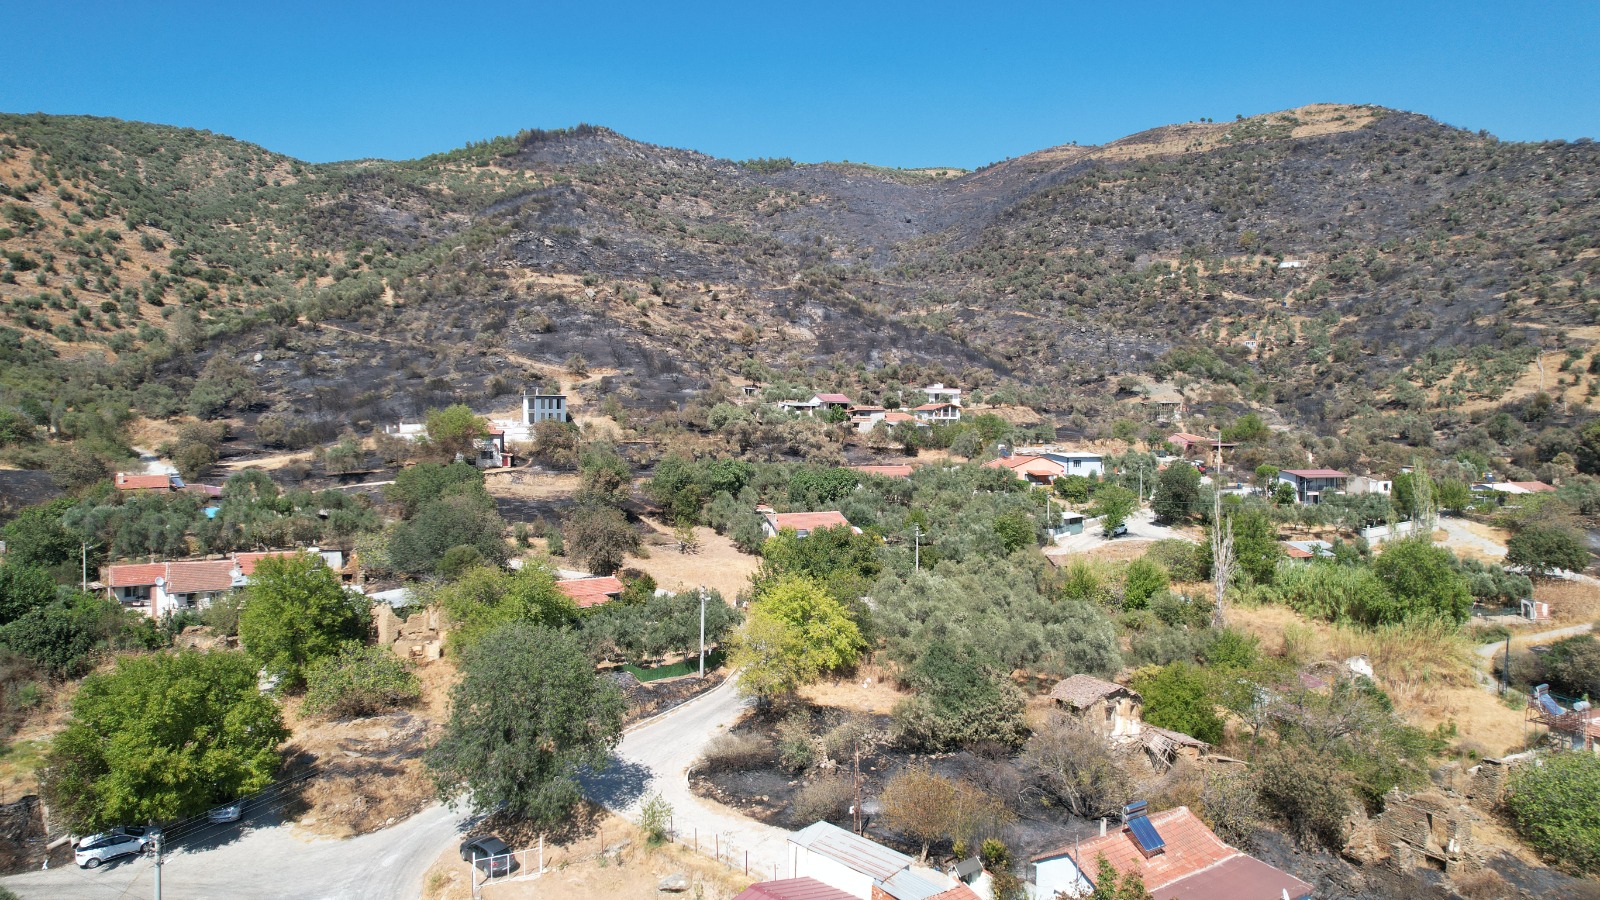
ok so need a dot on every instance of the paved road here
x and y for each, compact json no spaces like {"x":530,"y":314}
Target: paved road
{"x":267,"y":863}
{"x":1141,"y":527}
{"x":655,"y":758}
{"x":1461,"y":536}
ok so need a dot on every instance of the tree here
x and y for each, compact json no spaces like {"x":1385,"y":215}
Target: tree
{"x":961,"y":700}
{"x":424,"y":483}
{"x":1015,"y":530}
{"x":1113,"y":504}
{"x":1283,"y":494}
{"x":161,"y":737}
{"x":1556,"y":802}
{"x":37,"y":537}
{"x":555,"y":444}
{"x":844,"y":562}
{"x":1454,"y":494}
{"x":927,"y":807}
{"x":604,"y":478}
{"x":1145,"y":578}
{"x":485,"y":598}
{"x":1542,"y":549}
{"x":1075,"y":765}
{"x":1256,"y":550}
{"x":296,"y":613}
{"x":1073,"y":488}
{"x":795,"y":631}
{"x":24,"y":589}
{"x":417,"y":544}
{"x":1572,"y":666}
{"x":1424,"y":579}
{"x":453,"y":430}
{"x":359,"y":681}
{"x":1266,"y":475}
{"x":818,"y":488}
{"x":527,"y":715}
{"x":1177,"y":493}
{"x":1248,"y":428}
{"x":600,"y":535}
{"x":1178,"y":697}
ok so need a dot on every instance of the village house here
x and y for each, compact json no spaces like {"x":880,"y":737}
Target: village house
{"x":1073,"y":462}
{"x":1162,"y":402}
{"x":936,"y":413}
{"x":1515,"y":487}
{"x":493,"y":450}
{"x":1176,"y":856}
{"x":1306,"y":550}
{"x":158,"y":589}
{"x":1117,"y":712}
{"x":802,"y":523}
{"x":863,"y":418}
{"x":1366,"y":484}
{"x":126,"y":481}
{"x":587,"y":592}
{"x":1194,"y":446}
{"x":865,"y":869}
{"x":1032,"y":469}
{"x":792,"y":889}
{"x":1310,"y":485}
{"x":826,"y":402}
{"x":896,"y":417}
{"x":938,"y":393}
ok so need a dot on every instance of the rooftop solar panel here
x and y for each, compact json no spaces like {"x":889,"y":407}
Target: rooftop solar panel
{"x":1145,"y":833}
{"x":1550,"y":705}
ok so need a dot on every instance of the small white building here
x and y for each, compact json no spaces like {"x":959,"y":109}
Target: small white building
{"x":938,"y":393}
{"x":1078,"y":462}
{"x":935,"y":413}
{"x":862,"y":868}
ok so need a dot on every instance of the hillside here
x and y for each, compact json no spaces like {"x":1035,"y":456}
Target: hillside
{"x":1425,"y":266}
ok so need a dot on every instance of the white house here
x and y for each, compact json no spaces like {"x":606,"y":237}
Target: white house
{"x":1311,"y":484}
{"x":158,"y":589}
{"x":938,"y":393}
{"x":862,"y":868}
{"x":1078,"y":462}
{"x":1364,"y":484}
{"x":935,"y":413}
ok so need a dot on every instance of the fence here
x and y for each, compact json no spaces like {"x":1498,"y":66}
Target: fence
{"x":538,"y":859}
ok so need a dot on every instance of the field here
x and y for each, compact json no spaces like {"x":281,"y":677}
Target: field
{"x":716,"y":564}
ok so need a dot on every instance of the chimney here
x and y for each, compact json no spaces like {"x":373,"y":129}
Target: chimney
{"x":1102,"y":826}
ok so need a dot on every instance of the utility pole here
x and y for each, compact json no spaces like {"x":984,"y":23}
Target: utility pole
{"x":702,"y":631}
{"x":156,"y":839}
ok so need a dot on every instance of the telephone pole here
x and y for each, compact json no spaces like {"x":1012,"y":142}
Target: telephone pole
{"x":156,"y":839}
{"x":702,"y":631}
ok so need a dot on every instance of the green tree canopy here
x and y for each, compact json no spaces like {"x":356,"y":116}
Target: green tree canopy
{"x":1177,"y":696}
{"x":1542,"y":549}
{"x":528,"y":713}
{"x":1424,"y":579}
{"x":844,"y":562}
{"x":485,"y":598}
{"x":961,"y":699}
{"x":1556,"y":805}
{"x":160,"y":737}
{"x":599,"y":534}
{"x":1113,"y":503}
{"x":417,"y":544}
{"x":1177,"y":493}
{"x":296,"y":613}
{"x":795,"y":631}
{"x":426,"y":482}
{"x":453,"y":430}
{"x":24,"y":589}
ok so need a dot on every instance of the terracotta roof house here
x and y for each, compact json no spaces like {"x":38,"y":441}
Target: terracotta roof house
{"x":862,"y":868}
{"x":1306,"y":549}
{"x":1032,"y":469}
{"x":803,"y":523}
{"x":1311,"y":484}
{"x":829,"y":401}
{"x":1195,"y":445}
{"x":130,"y":482}
{"x":885,"y":471}
{"x":587,"y":592}
{"x":938,"y":412}
{"x":167,"y":587}
{"x":1176,"y":856}
{"x":793,"y":889}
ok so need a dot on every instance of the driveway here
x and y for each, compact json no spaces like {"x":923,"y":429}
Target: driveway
{"x":267,"y":863}
{"x":655,"y":756}
{"x":1141,"y":527}
{"x":1461,"y":537}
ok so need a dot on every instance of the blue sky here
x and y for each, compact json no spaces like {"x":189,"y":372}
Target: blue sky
{"x":893,"y":84}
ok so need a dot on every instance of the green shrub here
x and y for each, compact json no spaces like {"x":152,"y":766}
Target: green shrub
{"x":359,"y":681}
{"x":1556,"y":803}
{"x":1145,"y":577}
{"x":1178,"y":697}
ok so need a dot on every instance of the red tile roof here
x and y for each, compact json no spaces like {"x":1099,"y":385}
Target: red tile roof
{"x":1037,"y":466}
{"x":1294,"y":552}
{"x":199,"y":577}
{"x":587,"y":592}
{"x":833,"y":398}
{"x":1532,"y":487}
{"x":793,"y":889}
{"x":897,"y":417}
{"x":809,"y":521}
{"x":1315,"y":473}
{"x":959,"y":892}
{"x":127,"y":482}
{"x":1191,"y":847}
{"x":247,"y":561}
{"x":133,"y":575}
{"x":886,"y":471}
{"x":1240,"y":878}
{"x":928,"y":407}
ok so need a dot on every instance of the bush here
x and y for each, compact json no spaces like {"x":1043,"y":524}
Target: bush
{"x":1145,"y":578}
{"x":655,"y":819}
{"x":962,"y":700}
{"x":1313,"y":810}
{"x":797,"y":747}
{"x":359,"y":681}
{"x":737,"y":751}
{"x":826,"y":799}
{"x":1180,"y":558}
{"x":1556,"y":802}
{"x":1075,"y":765}
{"x":1178,"y":697}
{"x":1424,"y":580}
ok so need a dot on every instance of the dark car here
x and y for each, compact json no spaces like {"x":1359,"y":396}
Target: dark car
{"x":490,"y":854}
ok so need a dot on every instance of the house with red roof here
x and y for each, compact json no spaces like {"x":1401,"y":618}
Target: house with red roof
{"x":1196,"y":446}
{"x":935,"y":413}
{"x":1173,"y":853}
{"x":162,"y":588}
{"x":1032,"y":469}
{"x":831,"y":401}
{"x":127,"y":481}
{"x":587,"y":592}
{"x":802,"y":523}
{"x":1311,"y":484}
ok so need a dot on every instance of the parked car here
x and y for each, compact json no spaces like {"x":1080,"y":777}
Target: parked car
{"x":1120,"y":530}
{"x":228,"y":812}
{"x":135,"y":830}
{"x":488,"y":853}
{"x":98,"y":848}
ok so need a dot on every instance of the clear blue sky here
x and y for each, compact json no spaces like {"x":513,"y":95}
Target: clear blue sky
{"x":894,"y":84}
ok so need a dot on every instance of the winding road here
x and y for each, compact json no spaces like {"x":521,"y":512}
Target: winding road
{"x":267,"y":860}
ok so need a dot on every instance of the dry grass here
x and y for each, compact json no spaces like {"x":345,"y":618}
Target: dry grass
{"x":577,"y":871}
{"x":1118,"y":550}
{"x":716,"y":564}
{"x":1571,"y":602}
{"x":871,"y":690}
{"x":519,"y":485}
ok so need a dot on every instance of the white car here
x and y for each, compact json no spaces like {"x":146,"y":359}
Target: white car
{"x":228,"y":812}
{"x":95,"y":849}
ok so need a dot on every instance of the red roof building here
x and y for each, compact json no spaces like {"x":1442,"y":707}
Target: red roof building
{"x":1034,"y":469}
{"x":129,"y":482}
{"x":793,"y":889}
{"x":803,"y":523}
{"x":1187,"y":862}
{"x":587,"y":592}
